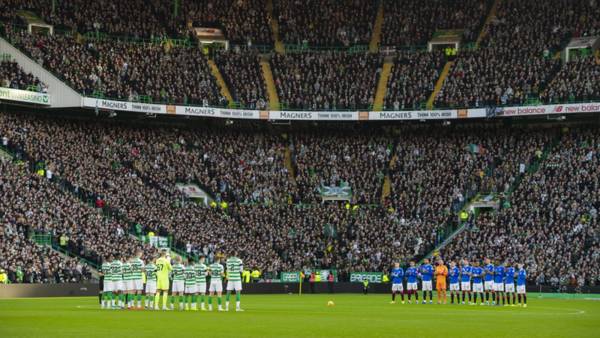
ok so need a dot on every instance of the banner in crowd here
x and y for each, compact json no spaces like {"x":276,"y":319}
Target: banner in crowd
{"x":159,"y":241}
{"x":414,"y":115}
{"x":24,"y":96}
{"x":372,"y":277}
{"x":335,"y":193}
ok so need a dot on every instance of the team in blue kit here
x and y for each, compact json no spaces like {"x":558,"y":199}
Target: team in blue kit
{"x":478,"y":283}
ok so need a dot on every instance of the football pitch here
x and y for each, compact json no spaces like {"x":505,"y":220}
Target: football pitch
{"x":353,"y":315}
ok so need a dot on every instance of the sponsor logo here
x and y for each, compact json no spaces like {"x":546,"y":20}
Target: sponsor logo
{"x":171,"y":110}
{"x":113,"y":105}
{"x":24,"y":96}
{"x":462,"y":113}
{"x":396,"y":115}
{"x":296,"y":115}
{"x":201,"y":111}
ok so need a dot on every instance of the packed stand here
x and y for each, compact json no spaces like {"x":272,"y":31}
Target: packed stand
{"x":13,"y":76}
{"x":9,"y":9}
{"x":105,"y":16}
{"x":577,"y":80}
{"x":236,"y":166}
{"x":33,"y":204}
{"x":425,"y":192}
{"x":241,"y":71}
{"x":342,"y":158}
{"x":125,"y":71}
{"x":119,"y":172}
{"x":244,"y":21}
{"x":326,"y":80}
{"x":551,"y":224}
{"x":412,"y":79}
{"x":26,"y":262}
{"x":325,"y":22}
{"x":410,"y":23}
{"x":135,"y":168}
{"x":516,"y":62}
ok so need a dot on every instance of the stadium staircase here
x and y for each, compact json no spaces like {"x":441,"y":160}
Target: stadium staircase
{"x":377,"y":27}
{"x":382,"y":84}
{"x":271,"y":89}
{"x":287,"y":159}
{"x":386,"y":190}
{"x":439,"y":84}
{"x":491,"y":16}
{"x":279,"y":46}
{"x":220,"y":81}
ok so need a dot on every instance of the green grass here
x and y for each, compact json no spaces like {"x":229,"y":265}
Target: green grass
{"x":353,"y":315}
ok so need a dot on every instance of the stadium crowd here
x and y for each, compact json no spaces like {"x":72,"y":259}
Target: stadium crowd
{"x":409,"y":23}
{"x":134,"y":170}
{"x":31,"y":204}
{"x":13,"y":76}
{"x":271,"y":214}
{"x":516,"y":60}
{"x":125,"y":71}
{"x":325,"y":22}
{"x":577,"y":80}
{"x":326,"y":80}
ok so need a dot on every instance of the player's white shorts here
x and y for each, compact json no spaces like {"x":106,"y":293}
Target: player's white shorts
{"x":234,"y":285}
{"x":107,"y":286}
{"x":201,"y":287}
{"x":411,"y":286}
{"x":150,"y":287}
{"x":509,"y":287}
{"x":489,"y":285}
{"x":189,"y":289}
{"x":465,"y":286}
{"x":521,"y":289}
{"x":397,"y":287}
{"x":129,"y":285}
{"x":138,"y":285}
{"x":477,"y":287}
{"x":498,"y":287}
{"x":454,"y":287}
{"x":426,"y":285}
{"x":118,"y":285}
{"x":216,"y":286}
{"x":178,"y":286}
